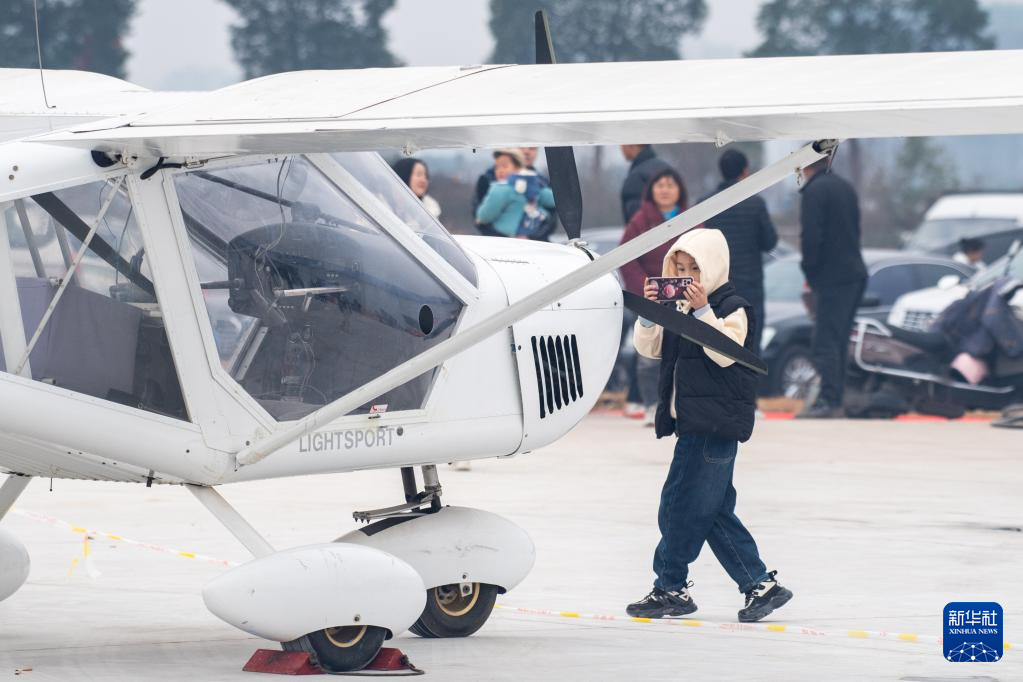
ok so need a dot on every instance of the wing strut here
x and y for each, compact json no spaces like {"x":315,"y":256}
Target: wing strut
{"x":232,"y":520}
{"x":427,"y":360}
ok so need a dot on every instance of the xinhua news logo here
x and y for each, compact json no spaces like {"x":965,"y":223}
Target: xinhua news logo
{"x":973,"y":632}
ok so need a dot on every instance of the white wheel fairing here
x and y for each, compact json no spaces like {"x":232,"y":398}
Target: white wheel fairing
{"x":15,"y":565}
{"x":456,"y":545}
{"x":292,"y":593}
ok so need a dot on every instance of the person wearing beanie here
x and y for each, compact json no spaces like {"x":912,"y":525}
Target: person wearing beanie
{"x":750,"y":234}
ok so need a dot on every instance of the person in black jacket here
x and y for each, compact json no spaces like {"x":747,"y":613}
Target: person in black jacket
{"x":483,"y":183}
{"x":707,"y":401}
{"x":644,"y":165}
{"x":750,"y":233}
{"x":835,"y":271}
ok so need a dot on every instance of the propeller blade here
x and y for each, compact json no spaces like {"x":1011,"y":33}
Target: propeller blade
{"x":688,"y":327}
{"x":568,"y":195}
{"x":544,"y":44}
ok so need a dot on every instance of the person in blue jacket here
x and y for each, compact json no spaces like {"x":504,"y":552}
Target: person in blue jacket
{"x":517,"y":204}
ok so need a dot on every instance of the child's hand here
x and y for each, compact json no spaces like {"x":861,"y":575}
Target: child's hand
{"x":650,"y":290}
{"x":696,"y":295}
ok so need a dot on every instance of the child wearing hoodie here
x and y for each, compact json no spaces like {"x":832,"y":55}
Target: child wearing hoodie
{"x":708,"y":402}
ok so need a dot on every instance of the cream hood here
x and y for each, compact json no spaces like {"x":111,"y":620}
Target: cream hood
{"x":710,"y":251}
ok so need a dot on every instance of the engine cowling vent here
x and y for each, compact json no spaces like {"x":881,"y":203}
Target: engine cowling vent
{"x":559,"y":379}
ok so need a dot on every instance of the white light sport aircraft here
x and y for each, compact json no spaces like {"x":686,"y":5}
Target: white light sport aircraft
{"x":207,"y":288}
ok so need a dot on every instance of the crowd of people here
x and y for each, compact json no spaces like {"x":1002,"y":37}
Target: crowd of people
{"x":513,"y":199}
{"x":702,"y":398}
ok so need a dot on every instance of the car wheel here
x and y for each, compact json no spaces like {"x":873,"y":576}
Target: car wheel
{"x":795,"y":376}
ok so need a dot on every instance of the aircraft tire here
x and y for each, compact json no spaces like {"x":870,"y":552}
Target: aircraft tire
{"x":341,"y":649}
{"x":449,"y":614}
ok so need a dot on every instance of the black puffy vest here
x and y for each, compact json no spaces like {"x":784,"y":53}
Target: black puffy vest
{"x":709,"y":398}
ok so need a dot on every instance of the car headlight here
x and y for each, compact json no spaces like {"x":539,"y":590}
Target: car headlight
{"x":766,"y":337}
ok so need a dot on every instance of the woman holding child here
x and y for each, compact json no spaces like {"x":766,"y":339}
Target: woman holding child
{"x":517,"y":204}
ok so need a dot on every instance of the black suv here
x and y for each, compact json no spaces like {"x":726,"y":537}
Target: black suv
{"x":785,"y":344}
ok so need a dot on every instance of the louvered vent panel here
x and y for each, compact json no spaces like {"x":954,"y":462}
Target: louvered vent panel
{"x":559,"y":378}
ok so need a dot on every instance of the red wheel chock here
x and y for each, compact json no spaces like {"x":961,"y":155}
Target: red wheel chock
{"x":389,"y":662}
{"x":281,"y":663}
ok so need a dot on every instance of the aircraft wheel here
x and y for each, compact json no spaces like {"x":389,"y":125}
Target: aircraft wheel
{"x":341,"y":649}
{"x":449,"y":613}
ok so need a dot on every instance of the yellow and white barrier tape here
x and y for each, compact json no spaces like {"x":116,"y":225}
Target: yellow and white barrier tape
{"x":94,"y":534}
{"x":777,"y":628}
{"x":731,"y":627}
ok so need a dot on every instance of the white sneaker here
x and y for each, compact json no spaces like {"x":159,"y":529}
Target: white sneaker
{"x":651,"y":416}
{"x":460,"y":466}
{"x":634,"y":411}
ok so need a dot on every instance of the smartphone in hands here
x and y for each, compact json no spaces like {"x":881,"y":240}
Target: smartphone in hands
{"x":671,"y":288}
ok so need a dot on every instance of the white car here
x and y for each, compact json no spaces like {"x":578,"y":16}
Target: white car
{"x":917,"y":310}
{"x":994,"y":217}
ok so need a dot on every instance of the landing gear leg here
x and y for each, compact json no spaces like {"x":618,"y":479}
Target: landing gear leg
{"x":14,"y":560}
{"x":232,"y":520}
{"x":414,"y":500}
{"x":408,"y":482}
{"x":10,"y":491}
{"x":335,"y":649}
{"x":453,"y":610}
{"x":458,"y":609}
{"x":431,"y":484}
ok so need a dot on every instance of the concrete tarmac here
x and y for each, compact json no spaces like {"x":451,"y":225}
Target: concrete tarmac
{"x":874,"y":525}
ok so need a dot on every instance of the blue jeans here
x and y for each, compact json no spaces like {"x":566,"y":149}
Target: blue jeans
{"x":697,"y":505}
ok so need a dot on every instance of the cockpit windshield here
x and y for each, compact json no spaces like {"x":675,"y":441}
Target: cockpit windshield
{"x":374,"y":174}
{"x":308,"y":298}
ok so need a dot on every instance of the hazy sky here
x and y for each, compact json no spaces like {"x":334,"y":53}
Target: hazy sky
{"x":185,"y":44}
{"x":178,"y":44}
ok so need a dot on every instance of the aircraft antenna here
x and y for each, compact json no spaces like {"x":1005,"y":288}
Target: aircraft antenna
{"x":39,"y":53}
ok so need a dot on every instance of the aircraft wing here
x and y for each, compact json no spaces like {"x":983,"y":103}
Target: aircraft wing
{"x":74,"y":97}
{"x":952,"y":93}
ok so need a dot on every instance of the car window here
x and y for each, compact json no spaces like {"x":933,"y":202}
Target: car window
{"x":928,"y":274}
{"x":999,"y":268}
{"x":783,"y":280}
{"x":1016,"y":267}
{"x":997,"y":245}
{"x":934,"y":234}
{"x":888,"y":283}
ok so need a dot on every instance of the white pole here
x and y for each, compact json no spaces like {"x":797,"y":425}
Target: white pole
{"x":590,"y":272}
